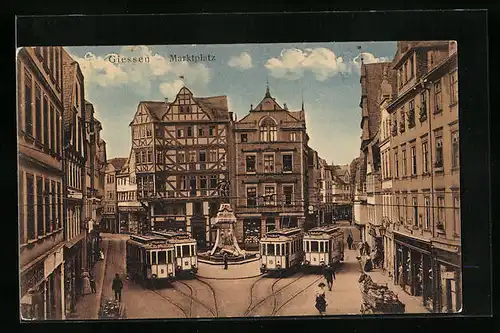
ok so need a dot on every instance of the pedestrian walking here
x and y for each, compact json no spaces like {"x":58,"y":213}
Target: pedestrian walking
{"x":225,"y":260}
{"x":117,"y":287}
{"x":329,"y":274}
{"x":349,"y":241}
{"x":92,"y":284}
{"x":86,"y":289}
{"x":321,"y":303}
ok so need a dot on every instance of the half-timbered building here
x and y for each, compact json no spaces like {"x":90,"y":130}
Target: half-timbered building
{"x":181,"y":153}
{"x":271,"y":188}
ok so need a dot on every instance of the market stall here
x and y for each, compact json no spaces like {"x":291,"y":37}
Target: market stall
{"x":378,"y":298}
{"x":112,"y":309}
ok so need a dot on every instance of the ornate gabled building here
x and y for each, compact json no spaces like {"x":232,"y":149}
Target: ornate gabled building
{"x":341,"y":192}
{"x":181,"y":153}
{"x":271,"y":156}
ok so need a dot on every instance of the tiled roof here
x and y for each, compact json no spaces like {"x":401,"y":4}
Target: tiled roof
{"x":156,"y":109}
{"x":118,"y":162}
{"x":217,"y":105}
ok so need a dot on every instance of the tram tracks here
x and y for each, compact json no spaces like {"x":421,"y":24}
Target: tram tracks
{"x":213,"y":312}
{"x":251,"y":309}
{"x":276,"y":310}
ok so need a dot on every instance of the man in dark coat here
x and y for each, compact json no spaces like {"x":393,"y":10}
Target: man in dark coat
{"x":329,"y":274}
{"x":349,"y":241}
{"x":117,"y":287}
{"x":225,"y":260}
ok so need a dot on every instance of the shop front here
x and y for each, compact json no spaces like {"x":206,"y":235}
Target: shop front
{"x":33,"y":292}
{"x":413,"y":267}
{"x":72,"y":274}
{"x":251,"y":233}
{"x":448,"y":279}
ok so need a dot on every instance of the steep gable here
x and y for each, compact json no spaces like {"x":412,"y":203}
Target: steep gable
{"x":186,"y":107}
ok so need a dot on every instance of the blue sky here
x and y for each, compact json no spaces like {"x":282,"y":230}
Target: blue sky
{"x":327,"y":73}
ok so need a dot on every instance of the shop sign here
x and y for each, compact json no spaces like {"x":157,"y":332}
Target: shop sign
{"x":448,"y":275}
{"x":75,"y":195}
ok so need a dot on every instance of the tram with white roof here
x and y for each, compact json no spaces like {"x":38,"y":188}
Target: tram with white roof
{"x":186,"y":259}
{"x":281,"y":250}
{"x":149,"y":258}
{"x":322,"y":246}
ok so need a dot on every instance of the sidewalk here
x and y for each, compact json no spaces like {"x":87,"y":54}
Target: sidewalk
{"x":413,"y":303}
{"x":87,"y":306}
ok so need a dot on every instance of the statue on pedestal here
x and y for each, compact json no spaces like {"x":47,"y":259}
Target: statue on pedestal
{"x":226,"y":239}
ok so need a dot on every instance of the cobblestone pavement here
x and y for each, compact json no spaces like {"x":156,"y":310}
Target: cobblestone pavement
{"x":233,"y":292}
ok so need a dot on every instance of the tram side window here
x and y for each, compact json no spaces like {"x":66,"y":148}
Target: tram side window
{"x":178,"y":251}
{"x":193,"y":253}
{"x":270,"y":250}
{"x":288,"y":248}
{"x":263,"y":249}
{"x":314,"y":246}
{"x":148,"y":258}
{"x":162,"y":257}
{"x":154,"y":261}
{"x":307,"y":246}
{"x":322,"y":247}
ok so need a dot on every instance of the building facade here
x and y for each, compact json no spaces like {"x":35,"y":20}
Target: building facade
{"x":271,"y":161}
{"x":94,"y":182}
{"x":368,"y":165}
{"x":131,"y":214}
{"x":41,"y":171}
{"x":181,"y":153}
{"x":75,"y":178}
{"x":425,"y":178}
{"x":341,"y":192}
{"x":110,"y":216}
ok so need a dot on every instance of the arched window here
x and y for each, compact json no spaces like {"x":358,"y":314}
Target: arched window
{"x":268,"y":130}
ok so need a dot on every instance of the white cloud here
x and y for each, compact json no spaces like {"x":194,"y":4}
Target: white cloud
{"x":170,"y":89}
{"x":101,"y":71}
{"x":368,"y":58}
{"x":243,"y":61}
{"x":322,"y":62}
{"x":292,"y":64}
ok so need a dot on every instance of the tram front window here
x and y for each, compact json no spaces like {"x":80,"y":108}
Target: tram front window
{"x":178,"y":250}
{"x":185,"y":251}
{"x":270,"y":250}
{"x":193,"y":252}
{"x":321,"y":246}
{"x":314,"y":246}
{"x":162,"y":257}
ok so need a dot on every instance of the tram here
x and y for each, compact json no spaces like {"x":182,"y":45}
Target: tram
{"x":150,"y":258}
{"x":186,"y":260}
{"x":281,"y":250}
{"x":322,"y":246}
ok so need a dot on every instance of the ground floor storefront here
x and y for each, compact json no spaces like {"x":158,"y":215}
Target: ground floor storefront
{"x":342,"y":212}
{"x":448,"y":286}
{"x":74,"y":264}
{"x":109,"y":224}
{"x":251,"y":227}
{"x":413,"y":269}
{"x":131,"y":218}
{"x":42,"y":288}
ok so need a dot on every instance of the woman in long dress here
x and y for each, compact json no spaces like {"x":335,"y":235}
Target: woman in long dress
{"x":321,"y":299}
{"x":86,"y":283}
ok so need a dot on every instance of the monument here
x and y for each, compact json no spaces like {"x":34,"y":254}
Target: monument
{"x":225,"y":241}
